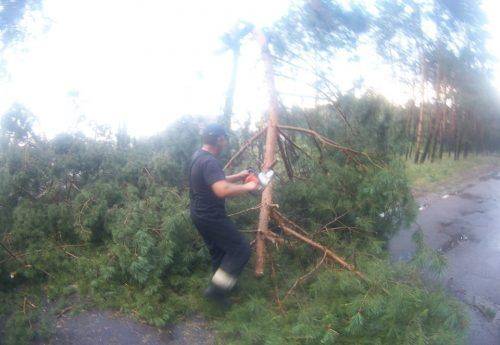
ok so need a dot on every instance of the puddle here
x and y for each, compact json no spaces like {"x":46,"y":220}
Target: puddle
{"x":494,"y":176}
{"x":454,"y":241}
{"x":423,"y":206}
{"x":469,"y":212}
{"x":470,"y":196}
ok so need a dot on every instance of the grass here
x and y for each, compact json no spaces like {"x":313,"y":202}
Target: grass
{"x":428,"y":176}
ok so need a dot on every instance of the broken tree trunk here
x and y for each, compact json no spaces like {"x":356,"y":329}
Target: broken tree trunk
{"x":266,"y":206}
{"x":269,"y":156}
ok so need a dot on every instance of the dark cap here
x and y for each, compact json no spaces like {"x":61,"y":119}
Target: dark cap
{"x":214,"y":130}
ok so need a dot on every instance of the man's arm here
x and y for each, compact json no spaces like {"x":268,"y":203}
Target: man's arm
{"x":224,"y":189}
{"x":237,"y":177}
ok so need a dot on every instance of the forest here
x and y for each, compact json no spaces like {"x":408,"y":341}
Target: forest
{"x":103,"y":221}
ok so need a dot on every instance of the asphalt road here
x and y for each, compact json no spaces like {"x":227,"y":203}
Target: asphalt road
{"x":464,"y":224}
{"x":105,"y":328}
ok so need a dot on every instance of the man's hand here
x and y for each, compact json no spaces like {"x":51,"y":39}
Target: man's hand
{"x":243,"y":174}
{"x":252,"y":186}
{"x":238,"y":177}
{"x":224,"y":189}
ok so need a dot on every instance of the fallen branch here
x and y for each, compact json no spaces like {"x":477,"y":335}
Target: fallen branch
{"x":321,"y":138}
{"x":10,"y":253}
{"x":21,"y":261}
{"x":284,"y":158}
{"x":244,"y":147}
{"x":273,"y":238}
{"x":72,"y":245}
{"x":64,"y":311}
{"x":32,"y":305}
{"x":329,"y":142}
{"x":347,"y":228}
{"x":305,"y":276}
{"x":328,"y":252}
{"x":245,"y":211}
{"x":17,"y":256}
{"x":332,"y":221}
{"x":276,"y":294}
{"x":284,"y":219}
{"x":316,"y":142}
{"x":71,"y":254}
{"x":151,"y":177}
{"x":294,"y":144}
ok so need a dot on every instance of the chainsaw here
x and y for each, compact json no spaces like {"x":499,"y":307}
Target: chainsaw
{"x":262,"y":178}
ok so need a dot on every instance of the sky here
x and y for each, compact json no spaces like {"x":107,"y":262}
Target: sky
{"x":143,"y":64}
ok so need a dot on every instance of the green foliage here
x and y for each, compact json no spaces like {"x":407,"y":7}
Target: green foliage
{"x":337,"y":308}
{"x":25,"y":321}
{"x":109,"y":220}
{"x":374,"y":202}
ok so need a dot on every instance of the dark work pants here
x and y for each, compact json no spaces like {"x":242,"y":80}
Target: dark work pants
{"x":228,"y":248}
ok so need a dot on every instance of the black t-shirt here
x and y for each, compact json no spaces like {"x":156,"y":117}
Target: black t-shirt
{"x":205,"y":171}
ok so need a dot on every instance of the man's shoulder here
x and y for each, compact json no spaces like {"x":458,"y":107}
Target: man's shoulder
{"x":202,"y":158}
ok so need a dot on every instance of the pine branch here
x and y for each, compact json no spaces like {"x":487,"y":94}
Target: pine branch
{"x":286,"y":161}
{"x":245,"y":211}
{"x":305,"y":276}
{"x":345,"y":150}
{"x":288,"y":230}
{"x":294,"y":144}
{"x":244,"y":147}
{"x":21,"y":261}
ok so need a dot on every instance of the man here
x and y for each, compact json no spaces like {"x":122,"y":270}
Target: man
{"x":208,"y":188}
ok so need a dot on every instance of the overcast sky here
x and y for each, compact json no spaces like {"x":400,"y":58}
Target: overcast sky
{"x":143,"y":64}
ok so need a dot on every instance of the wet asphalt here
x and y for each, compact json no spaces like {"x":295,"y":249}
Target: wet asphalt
{"x":106,"y":328}
{"x":464,"y":225}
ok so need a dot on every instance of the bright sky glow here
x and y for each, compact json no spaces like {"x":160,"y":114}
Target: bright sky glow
{"x":143,"y":64}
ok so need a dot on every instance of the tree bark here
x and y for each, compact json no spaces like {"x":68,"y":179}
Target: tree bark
{"x":421,"y":115}
{"x":439,"y":112}
{"x":269,"y":156}
{"x":428,"y":140}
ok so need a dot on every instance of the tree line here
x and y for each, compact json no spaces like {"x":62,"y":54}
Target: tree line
{"x":436,"y":50}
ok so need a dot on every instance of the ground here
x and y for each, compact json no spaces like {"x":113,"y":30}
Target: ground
{"x":462,"y":222}
{"x":104,"y":327}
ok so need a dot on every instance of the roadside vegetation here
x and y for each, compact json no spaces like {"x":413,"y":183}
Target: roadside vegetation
{"x":447,"y":172}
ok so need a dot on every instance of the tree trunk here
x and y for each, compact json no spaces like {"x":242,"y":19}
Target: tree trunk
{"x":428,"y":141}
{"x":458,"y":145}
{"x":421,"y":115}
{"x":269,"y":156}
{"x":442,"y":133}
{"x":228,"y":106}
{"x":409,"y":131}
{"x":455,"y":144}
